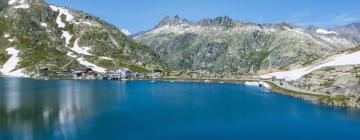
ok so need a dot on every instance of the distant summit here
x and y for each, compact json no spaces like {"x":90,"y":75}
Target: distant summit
{"x":172,"y":20}
{"x":177,"y":20}
{"x":222,"y":44}
{"x":219,"y":21}
{"x":350,"y":31}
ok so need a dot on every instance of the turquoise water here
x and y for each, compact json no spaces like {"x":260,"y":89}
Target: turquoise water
{"x":132,"y":110}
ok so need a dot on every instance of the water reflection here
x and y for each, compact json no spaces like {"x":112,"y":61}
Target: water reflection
{"x":32,"y":109}
{"x":12,"y":96}
{"x":52,"y":107}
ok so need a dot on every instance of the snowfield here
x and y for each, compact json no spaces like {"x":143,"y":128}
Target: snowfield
{"x":94,"y":67}
{"x":62,"y":11}
{"x":6,"y":35}
{"x":19,"y":4}
{"x":84,"y":51}
{"x":9,"y":67}
{"x":80,"y":50}
{"x":11,"y":40}
{"x":325,"y":32}
{"x":82,"y":61}
{"x":11,"y":2}
{"x":67,"y":37}
{"x":43,"y":24}
{"x":257,"y":84}
{"x":106,"y":58}
{"x":339,"y":60}
{"x":23,"y":6}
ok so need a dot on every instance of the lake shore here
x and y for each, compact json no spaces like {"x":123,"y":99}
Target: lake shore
{"x":333,"y":101}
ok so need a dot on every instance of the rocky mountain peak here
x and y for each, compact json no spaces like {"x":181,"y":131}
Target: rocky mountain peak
{"x":354,"y":25}
{"x":350,"y":31}
{"x":312,"y":28}
{"x":172,"y":21}
{"x":20,"y":2}
{"x":285,"y":24}
{"x":218,"y":21}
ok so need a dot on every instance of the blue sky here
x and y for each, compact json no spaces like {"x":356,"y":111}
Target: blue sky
{"x":141,"y":15}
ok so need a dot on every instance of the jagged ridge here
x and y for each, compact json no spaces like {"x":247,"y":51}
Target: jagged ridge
{"x":225,"y":45}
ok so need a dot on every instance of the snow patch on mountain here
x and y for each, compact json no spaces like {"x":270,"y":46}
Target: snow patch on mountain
{"x":339,"y":60}
{"x":19,"y":4}
{"x":62,"y":11}
{"x":82,"y":61}
{"x":6,"y":35}
{"x":11,"y":40}
{"x":87,"y":23}
{"x":106,"y":58}
{"x":11,"y":2}
{"x":94,"y":67}
{"x":125,"y":31}
{"x":84,"y":51}
{"x":23,"y":6}
{"x":257,"y":84}
{"x":9,"y":67}
{"x":303,"y":33}
{"x":80,"y":50}
{"x":325,"y":32}
{"x":43,"y":24}
{"x":67,"y":37}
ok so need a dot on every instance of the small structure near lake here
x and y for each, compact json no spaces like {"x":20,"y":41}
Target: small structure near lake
{"x":119,"y":74}
{"x":82,"y":73}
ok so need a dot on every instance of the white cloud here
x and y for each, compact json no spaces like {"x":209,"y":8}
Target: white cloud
{"x":328,"y":21}
{"x":345,"y":19}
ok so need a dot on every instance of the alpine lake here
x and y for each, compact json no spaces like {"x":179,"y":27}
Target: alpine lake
{"x":135,"y":110}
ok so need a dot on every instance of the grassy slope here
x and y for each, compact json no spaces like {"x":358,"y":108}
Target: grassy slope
{"x":41,"y":46}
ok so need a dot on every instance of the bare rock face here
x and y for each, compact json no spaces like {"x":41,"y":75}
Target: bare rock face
{"x":342,"y":80}
{"x":351,"y":32}
{"x":173,"y":21}
{"x":224,"y":45}
{"x":218,"y":21}
{"x":341,"y":84}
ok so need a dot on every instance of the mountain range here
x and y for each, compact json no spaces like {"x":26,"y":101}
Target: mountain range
{"x":39,"y":35}
{"x":34,"y":34}
{"x":226,"y":45}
